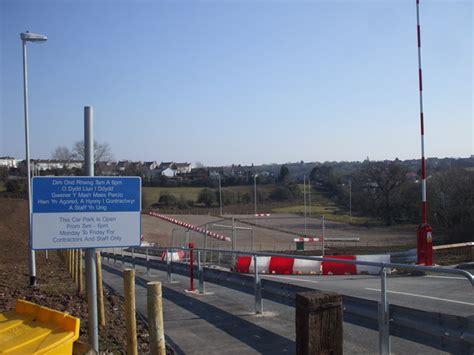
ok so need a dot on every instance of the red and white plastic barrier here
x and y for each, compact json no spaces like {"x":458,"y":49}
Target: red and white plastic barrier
{"x":173,"y":256}
{"x":335,"y":268}
{"x":262,"y":215}
{"x":290,"y":266}
{"x":191,"y":227}
{"x":372,"y":270}
{"x":301,"y":267}
{"x":245,"y":264}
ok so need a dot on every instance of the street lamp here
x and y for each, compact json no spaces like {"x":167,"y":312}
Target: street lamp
{"x":255,"y":194}
{"x":220,"y":192}
{"x":350,"y":199}
{"x":39,"y":38}
{"x":304,"y":199}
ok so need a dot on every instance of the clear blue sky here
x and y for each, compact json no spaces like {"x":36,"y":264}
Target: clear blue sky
{"x":225,"y":82}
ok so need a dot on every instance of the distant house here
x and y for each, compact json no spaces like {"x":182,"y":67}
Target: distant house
{"x":165,"y":165}
{"x":171,"y":169}
{"x":108,"y":168}
{"x":151,"y":165}
{"x":182,"y":168}
{"x":8,"y":162}
{"x":213,"y":174}
{"x":52,"y":164}
{"x":150,"y":169}
{"x":122,"y":165}
{"x":168,"y":172}
{"x":245,"y":172}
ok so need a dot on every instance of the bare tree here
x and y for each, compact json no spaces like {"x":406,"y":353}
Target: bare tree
{"x":62,"y":153}
{"x":102,"y":151}
{"x":452,"y":202}
{"x":378,"y":185}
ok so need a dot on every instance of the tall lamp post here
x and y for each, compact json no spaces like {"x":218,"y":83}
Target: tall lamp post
{"x":39,"y":38}
{"x":304,"y":199}
{"x":220,"y":193}
{"x":350,"y":199}
{"x":255,"y":195}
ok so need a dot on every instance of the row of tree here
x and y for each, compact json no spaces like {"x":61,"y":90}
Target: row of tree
{"x":102,"y":152}
{"x":387,"y":190}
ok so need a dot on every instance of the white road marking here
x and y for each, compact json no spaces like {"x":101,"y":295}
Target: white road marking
{"x":422,"y":296}
{"x":291,"y":278}
{"x":446,"y":277}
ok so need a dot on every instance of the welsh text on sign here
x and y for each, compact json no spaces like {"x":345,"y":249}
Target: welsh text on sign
{"x":86,"y":212}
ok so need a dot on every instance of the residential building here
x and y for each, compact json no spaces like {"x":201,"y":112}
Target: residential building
{"x":8,"y":162}
{"x":51,"y":164}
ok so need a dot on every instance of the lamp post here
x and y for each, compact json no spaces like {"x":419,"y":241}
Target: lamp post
{"x":350,"y":199}
{"x":255,"y":194}
{"x":309,"y":195}
{"x":220,"y":193}
{"x":304,"y":199}
{"x":29,"y":37}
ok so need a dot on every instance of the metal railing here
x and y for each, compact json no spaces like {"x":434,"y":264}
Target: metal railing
{"x":385,"y":310}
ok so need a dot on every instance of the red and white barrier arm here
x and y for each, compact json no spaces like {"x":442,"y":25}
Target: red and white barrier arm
{"x":190,"y":226}
{"x":308,"y":239}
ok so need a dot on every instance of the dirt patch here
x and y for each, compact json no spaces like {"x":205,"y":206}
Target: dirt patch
{"x":55,"y":287}
{"x":276,"y":232}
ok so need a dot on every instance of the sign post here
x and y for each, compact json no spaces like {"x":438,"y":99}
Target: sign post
{"x":86,"y":212}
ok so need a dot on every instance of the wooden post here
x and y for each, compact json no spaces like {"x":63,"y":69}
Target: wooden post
{"x":80,"y":275}
{"x":100,"y":291}
{"x":73,"y":268}
{"x":155,"y":318}
{"x":76,"y":269}
{"x":318,"y":323}
{"x":67,"y":260}
{"x":130,"y":316}
{"x":70,"y":260}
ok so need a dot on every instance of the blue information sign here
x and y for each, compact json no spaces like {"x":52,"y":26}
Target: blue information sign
{"x":86,"y":212}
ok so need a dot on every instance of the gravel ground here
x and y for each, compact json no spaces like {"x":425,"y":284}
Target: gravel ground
{"x":276,"y":232}
{"x":55,"y":287}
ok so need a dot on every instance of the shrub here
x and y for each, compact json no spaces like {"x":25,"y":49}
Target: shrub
{"x":282,"y":193}
{"x":207,"y":197}
{"x":168,"y":199}
{"x":13,"y":186}
{"x":182,"y":203}
{"x":228,"y":197}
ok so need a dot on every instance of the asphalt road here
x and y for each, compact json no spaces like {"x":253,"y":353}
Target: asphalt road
{"x":222,"y":321}
{"x":434,"y":293}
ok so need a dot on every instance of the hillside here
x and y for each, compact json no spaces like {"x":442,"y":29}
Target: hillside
{"x":55,"y":287}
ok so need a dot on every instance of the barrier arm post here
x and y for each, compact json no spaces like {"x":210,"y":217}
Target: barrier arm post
{"x":148,"y":272}
{"x":191,"y":266}
{"x":384,"y":316}
{"x":169,"y":259}
{"x":258,"y":288}
{"x":201,"y":274}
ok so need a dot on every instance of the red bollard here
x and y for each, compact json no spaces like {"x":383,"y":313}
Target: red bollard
{"x":191,"y":266}
{"x":425,"y":245}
